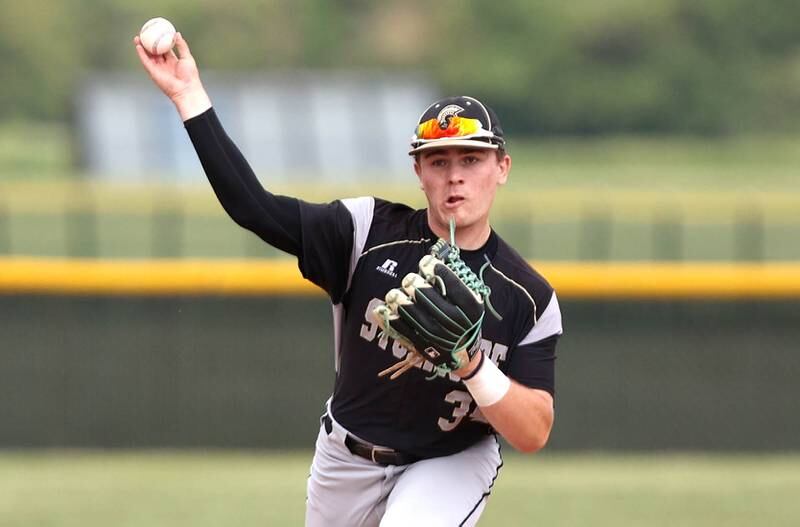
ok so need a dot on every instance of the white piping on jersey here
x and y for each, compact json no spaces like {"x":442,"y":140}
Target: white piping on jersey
{"x":549,"y":324}
{"x":421,"y":240}
{"x":496,"y":270}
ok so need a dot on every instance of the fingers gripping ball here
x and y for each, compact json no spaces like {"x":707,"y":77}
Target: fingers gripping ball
{"x":436,"y":315}
{"x":157,"y":36}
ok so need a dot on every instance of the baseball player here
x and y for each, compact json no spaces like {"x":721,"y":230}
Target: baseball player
{"x":444,"y":336}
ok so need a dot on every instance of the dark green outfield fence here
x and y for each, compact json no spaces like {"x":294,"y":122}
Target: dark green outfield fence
{"x":254,"y":372}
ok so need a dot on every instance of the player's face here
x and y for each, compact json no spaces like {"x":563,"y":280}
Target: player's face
{"x":461,"y":183}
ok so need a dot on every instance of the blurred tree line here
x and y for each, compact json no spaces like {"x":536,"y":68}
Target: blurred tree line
{"x":549,"y":67}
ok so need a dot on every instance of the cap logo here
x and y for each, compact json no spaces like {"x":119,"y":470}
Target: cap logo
{"x":447,"y":113}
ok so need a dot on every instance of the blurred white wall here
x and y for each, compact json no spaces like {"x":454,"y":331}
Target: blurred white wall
{"x":302,"y":126}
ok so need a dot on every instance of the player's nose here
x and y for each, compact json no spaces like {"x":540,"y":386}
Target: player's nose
{"x":455,"y":174}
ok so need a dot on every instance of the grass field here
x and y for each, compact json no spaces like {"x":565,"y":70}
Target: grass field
{"x":230,"y":488}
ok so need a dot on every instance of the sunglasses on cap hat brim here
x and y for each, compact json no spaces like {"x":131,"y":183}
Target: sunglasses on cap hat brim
{"x":429,"y":135}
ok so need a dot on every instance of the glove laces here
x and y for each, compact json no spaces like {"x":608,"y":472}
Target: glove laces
{"x":450,"y":254}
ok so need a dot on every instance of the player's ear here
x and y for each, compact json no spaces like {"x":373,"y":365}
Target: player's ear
{"x":418,"y":169}
{"x":504,"y":167}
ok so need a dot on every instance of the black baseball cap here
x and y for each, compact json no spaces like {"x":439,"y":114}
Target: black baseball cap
{"x":457,"y":121}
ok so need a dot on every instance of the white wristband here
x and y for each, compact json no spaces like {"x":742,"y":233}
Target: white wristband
{"x":488,"y":385}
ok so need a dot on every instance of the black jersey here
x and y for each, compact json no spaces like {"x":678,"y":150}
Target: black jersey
{"x":356,"y":250}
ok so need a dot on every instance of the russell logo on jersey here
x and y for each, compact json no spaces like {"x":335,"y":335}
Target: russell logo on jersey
{"x":388,"y":268}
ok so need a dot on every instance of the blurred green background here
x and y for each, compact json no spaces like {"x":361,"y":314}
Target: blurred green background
{"x":708,"y":67}
{"x":641,"y":130}
{"x":695,"y":104}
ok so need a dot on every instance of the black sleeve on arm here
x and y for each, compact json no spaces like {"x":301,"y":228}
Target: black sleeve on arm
{"x":320,"y":235}
{"x":275,"y":219}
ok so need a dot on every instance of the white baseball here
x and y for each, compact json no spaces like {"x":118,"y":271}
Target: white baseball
{"x":157,"y":36}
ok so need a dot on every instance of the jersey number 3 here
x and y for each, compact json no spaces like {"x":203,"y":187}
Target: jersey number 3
{"x":462,"y":401}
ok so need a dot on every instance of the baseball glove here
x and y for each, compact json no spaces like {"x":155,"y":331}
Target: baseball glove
{"x":437,"y":314}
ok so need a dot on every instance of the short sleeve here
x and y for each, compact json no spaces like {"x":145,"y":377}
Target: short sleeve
{"x":333,"y":235}
{"x":532,"y":361}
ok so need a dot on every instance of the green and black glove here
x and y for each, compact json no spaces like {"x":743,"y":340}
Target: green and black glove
{"x":437,"y":314}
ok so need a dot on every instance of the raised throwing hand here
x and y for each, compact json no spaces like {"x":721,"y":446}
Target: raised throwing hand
{"x":177,"y":76}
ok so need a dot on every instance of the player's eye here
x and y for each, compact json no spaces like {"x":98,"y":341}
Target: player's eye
{"x":439,"y":162}
{"x":470,"y":160}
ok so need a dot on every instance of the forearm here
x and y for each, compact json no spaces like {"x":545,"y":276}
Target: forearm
{"x":276,"y":219}
{"x":522,"y":415}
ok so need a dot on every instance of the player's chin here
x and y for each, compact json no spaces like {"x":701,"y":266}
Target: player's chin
{"x":458,"y":211}
{"x":465,"y":218}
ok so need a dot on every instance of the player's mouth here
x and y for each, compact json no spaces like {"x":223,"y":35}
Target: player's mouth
{"x":454,"y":201}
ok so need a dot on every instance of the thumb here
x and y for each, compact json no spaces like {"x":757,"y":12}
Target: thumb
{"x":183,"y":46}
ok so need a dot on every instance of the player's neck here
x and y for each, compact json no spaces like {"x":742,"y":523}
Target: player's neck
{"x":468,"y":238}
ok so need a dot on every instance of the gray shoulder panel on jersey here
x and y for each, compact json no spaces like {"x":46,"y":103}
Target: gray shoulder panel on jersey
{"x":361,"y":209}
{"x":548,"y":324}
{"x":338,"y":323}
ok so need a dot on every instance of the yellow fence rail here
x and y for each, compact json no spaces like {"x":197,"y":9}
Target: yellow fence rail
{"x":618,"y":280}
